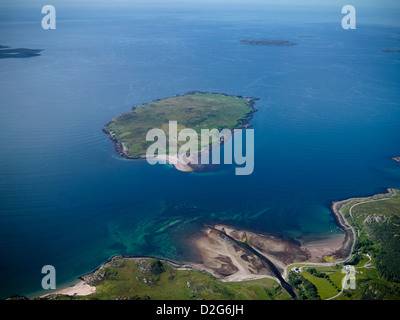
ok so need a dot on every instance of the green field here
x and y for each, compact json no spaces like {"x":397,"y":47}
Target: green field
{"x":324,"y":287}
{"x":147,"y":278}
{"x":195,"y":111}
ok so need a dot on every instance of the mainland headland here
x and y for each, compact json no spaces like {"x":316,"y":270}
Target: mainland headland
{"x":234,"y":262}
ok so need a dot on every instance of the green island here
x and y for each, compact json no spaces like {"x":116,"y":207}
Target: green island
{"x":194,"y":110}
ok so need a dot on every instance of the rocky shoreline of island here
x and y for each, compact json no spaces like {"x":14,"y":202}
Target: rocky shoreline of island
{"x":121,"y":149}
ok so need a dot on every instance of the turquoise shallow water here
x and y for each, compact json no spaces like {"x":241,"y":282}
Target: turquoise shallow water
{"x":327,"y":124}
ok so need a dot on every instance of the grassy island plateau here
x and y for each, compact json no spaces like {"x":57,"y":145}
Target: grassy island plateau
{"x":195,"y":110}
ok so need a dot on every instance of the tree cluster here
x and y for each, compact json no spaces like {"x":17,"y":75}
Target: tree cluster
{"x":306,"y":290}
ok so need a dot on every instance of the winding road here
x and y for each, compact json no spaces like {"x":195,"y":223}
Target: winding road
{"x":392,"y":192}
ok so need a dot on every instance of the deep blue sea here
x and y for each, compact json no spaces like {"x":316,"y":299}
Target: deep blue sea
{"x":327,"y":125}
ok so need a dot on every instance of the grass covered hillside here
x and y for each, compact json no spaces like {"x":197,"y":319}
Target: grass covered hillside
{"x":377,"y":225}
{"x":152,"y":279}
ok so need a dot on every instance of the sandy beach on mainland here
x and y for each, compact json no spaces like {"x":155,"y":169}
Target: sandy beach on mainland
{"x":80,"y":288}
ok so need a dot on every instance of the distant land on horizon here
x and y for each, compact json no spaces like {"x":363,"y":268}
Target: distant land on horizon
{"x":6,"y":52}
{"x":268,"y":42}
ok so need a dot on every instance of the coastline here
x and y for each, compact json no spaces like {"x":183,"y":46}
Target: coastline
{"x":83,"y":285}
{"x":225,"y":260}
{"x":222,"y":258}
{"x":350,"y":235}
{"x":121,"y":149}
{"x":77,"y":288}
{"x":229,"y":254}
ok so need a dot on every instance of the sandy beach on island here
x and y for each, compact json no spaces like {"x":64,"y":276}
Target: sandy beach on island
{"x":177,"y":162}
